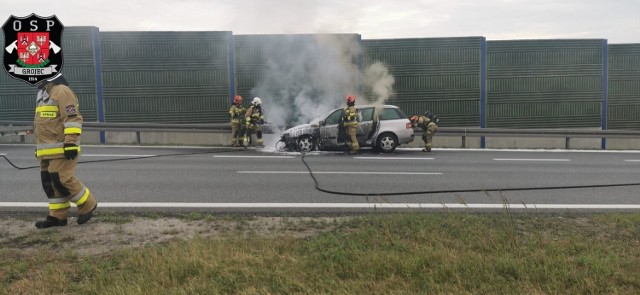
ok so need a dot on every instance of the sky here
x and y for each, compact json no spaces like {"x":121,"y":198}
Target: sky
{"x":618,"y":21}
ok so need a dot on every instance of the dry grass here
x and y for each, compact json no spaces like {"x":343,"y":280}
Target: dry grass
{"x":375,"y":254}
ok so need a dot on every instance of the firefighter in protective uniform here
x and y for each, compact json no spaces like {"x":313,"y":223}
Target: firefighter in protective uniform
{"x":58,"y":125}
{"x":236,"y":112}
{"x":350,"y":122}
{"x":254,"y":118}
{"x":428,"y":123}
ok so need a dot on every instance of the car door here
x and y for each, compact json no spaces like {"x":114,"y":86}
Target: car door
{"x":365,"y":123}
{"x":329,"y":129}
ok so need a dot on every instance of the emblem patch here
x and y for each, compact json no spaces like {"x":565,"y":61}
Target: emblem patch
{"x":71,"y":110}
{"x":32,"y":50}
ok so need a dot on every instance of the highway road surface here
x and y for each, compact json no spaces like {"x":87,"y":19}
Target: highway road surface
{"x":219,"y":179}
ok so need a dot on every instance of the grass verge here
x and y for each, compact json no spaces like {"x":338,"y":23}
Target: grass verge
{"x":373,"y":254}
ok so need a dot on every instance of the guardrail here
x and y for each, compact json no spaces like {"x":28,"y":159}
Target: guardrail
{"x":24,"y":127}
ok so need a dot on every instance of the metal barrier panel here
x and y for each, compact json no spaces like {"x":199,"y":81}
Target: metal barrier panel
{"x":170,"y":77}
{"x":545,"y":83}
{"x":624,"y":87}
{"x":17,"y":99}
{"x":441,"y":75}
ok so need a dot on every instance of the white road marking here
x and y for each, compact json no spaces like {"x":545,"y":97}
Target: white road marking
{"x":339,"y":172}
{"x":390,"y":158}
{"x":533,"y":160}
{"x":2,"y":154}
{"x":624,"y":160}
{"x":116,"y":155}
{"x":261,"y":157}
{"x":340,"y":205}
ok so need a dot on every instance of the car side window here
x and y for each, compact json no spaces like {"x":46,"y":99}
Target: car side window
{"x":333,"y":118}
{"x":365,"y":114}
{"x":391,"y":114}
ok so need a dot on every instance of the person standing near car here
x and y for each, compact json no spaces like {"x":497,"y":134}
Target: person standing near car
{"x":58,"y":125}
{"x":428,"y":123}
{"x":254,"y":118}
{"x":350,"y":122}
{"x":236,"y":112}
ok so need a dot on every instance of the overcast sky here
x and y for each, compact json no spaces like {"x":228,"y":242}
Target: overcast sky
{"x":615,"y":20}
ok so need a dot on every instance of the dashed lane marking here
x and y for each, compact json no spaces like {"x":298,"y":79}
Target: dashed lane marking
{"x":533,"y":160}
{"x":339,"y":172}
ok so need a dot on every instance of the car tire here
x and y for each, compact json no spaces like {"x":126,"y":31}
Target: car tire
{"x":305,"y":144}
{"x":386,"y":143}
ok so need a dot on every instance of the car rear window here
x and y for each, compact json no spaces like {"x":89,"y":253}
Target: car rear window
{"x":392,"y":114}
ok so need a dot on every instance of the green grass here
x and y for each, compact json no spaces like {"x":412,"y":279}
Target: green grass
{"x":373,"y":254}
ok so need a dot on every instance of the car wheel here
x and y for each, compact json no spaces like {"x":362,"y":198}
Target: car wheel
{"x":386,"y":143}
{"x":305,"y":144}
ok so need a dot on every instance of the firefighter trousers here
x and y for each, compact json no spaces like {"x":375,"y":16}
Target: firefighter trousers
{"x":62,"y":187}
{"x":351,"y":131}
{"x":237,"y":133}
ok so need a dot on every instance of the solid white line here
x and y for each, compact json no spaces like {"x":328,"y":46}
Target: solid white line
{"x":632,"y":160}
{"x":540,"y":160}
{"x":115,"y":155}
{"x":339,"y":172}
{"x":261,"y":157}
{"x":390,"y":158}
{"x":339,"y":205}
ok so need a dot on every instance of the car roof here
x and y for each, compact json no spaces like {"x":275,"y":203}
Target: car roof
{"x":373,"y":105}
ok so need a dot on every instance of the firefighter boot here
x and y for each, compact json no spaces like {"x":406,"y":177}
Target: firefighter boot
{"x":51,"y":221}
{"x":83,"y":218}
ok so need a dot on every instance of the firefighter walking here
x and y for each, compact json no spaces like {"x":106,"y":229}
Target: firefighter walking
{"x":428,"y":123}
{"x":58,"y":125}
{"x":350,"y":122}
{"x":254,"y":118}
{"x":236,"y":112}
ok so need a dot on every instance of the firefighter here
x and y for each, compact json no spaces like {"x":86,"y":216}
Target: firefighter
{"x":428,"y":123}
{"x":237,"y":117}
{"x":350,"y":122}
{"x":254,"y":118}
{"x":58,"y":125}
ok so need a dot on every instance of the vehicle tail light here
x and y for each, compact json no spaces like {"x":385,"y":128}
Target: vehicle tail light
{"x":409,"y":125}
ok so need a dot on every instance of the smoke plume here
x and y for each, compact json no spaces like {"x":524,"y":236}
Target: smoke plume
{"x":306,"y":76}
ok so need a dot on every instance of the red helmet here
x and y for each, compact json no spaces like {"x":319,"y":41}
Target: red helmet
{"x":237,"y":99}
{"x":351,"y":99}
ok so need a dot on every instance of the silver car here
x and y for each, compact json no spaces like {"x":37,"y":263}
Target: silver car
{"x":382,"y":127}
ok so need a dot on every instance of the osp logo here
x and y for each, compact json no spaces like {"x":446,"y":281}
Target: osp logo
{"x":32,"y":51}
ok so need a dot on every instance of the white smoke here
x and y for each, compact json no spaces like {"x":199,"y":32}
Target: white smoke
{"x":378,"y":79}
{"x":307,"y":76}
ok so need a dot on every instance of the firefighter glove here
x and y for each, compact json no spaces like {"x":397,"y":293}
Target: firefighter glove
{"x":70,"y":151}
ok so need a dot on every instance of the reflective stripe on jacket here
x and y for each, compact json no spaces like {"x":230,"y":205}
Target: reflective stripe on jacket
{"x":57,"y":121}
{"x":350,"y":116}
{"x":236,"y":112}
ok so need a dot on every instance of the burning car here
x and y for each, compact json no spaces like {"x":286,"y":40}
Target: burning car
{"x":381,"y":127}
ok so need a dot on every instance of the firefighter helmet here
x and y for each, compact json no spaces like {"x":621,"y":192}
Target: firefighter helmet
{"x":256,"y":101}
{"x":237,"y":99}
{"x":351,"y":99}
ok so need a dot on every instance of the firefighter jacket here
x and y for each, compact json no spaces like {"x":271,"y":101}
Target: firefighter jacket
{"x":57,"y":121}
{"x":254,"y":116}
{"x":350,"y":116}
{"x":427,"y":125}
{"x":236,"y":112}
